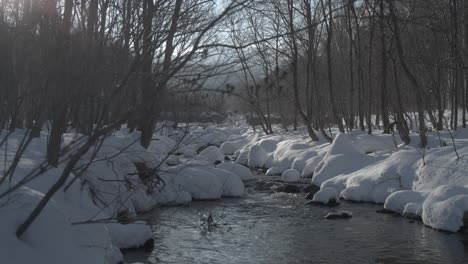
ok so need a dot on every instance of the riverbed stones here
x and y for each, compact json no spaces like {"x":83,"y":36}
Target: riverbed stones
{"x":287,"y":188}
{"x":310,"y":188}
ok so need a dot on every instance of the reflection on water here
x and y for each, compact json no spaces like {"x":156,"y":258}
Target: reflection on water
{"x":279,"y":228}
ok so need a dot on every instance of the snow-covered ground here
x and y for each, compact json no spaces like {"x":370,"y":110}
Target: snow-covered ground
{"x":195,"y":164}
{"x":92,"y":216}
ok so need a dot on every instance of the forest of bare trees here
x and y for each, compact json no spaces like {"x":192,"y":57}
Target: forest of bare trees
{"x":353,"y":64}
{"x":383,"y":64}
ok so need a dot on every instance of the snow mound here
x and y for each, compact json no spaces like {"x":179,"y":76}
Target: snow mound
{"x":243,"y":157}
{"x":444,"y":208}
{"x":257,"y":156}
{"x":413,"y":210}
{"x":173,"y":160}
{"x":310,"y":165}
{"x":275,"y":171}
{"x":190,"y":153}
{"x":232,"y":185}
{"x":132,"y":235}
{"x":269,"y":144}
{"x":397,"y":201}
{"x":161,"y":145}
{"x":376,"y":182}
{"x":291,"y":175}
{"x":342,"y":158}
{"x":243,"y":172}
{"x":326,"y":195}
{"x":293,"y":154}
{"x":230,"y":147}
{"x":50,"y":239}
{"x":211,"y":155}
{"x":443,"y":167}
{"x":200,"y":183}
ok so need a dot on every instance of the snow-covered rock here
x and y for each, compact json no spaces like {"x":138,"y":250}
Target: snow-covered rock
{"x":232,"y":185}
{"x":189,"y":153}
{"x":275,"y":171}
{"x":310,"y":166}
{"x":342,"y":158}
{"x":377,"y":181}
{"x":211,"y":155}
{"x":199,"y":182}
{"x":291,"y":175}
{"x":131,"y":235}
{"x":230,"y":147}
{"x":413,"y":210}
{"x":243,"y":172}
{"x":445,"y":207}
{"x":243,"y":157}
{"x":397,"y":201}
{"x":269,"y":144}
{"x":173,"y":160}
{"x":257,"y":156}
{"x":326,"y":195}
{"x":51,"y":238}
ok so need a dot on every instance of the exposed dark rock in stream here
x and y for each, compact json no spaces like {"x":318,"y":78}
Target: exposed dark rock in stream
{"x":286,"y":188}
{"x":148,"y":246}
{"x":385,"y":211}
{"x":339,"y":215}
{"x":331,"y":203}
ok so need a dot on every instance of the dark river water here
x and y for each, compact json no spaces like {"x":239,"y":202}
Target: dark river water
{"x":280,"y":228}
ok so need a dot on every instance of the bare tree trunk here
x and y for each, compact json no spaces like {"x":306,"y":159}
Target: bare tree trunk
{"x":146,"y":124}
{"x":329,"y":29}
{"x":409,"y":74}
{"x":383,"y":85}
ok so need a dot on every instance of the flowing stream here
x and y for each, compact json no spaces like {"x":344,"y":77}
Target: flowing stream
{"x":280,"y":228}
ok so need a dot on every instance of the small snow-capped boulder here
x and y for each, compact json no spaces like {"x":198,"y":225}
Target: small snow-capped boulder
{"x":291,"y":175}
{"x":413,"y":211}
{"x":172,"y":160}
{"x":232,"y":185}
{"x":310,"y":166}
{"x":243,"y":157}
{"x":243,"y":172}
{"x":190,"y":153}
{"x":230,"y":147}
{"x":327,"y":196}
{"x":257,"y":156}
{"x":200,"y":183}
{"x":445,"y":207}
{"x":275,"y":171}
{"x":298,"y":165}
{"x":133,"y":235}
{"x":339,"y":215}
{"x":268,"y":144}
{"x":397,"y":201}
{"x":211,"y":154}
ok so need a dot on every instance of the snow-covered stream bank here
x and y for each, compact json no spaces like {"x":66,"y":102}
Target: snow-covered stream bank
{"x":279,"y":228}
{"x":206,"y":162}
